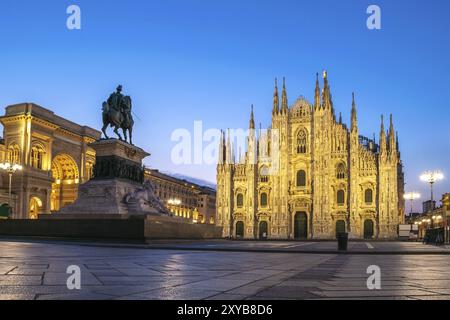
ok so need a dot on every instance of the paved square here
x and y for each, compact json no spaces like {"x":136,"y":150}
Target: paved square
{"x":37,"y":270}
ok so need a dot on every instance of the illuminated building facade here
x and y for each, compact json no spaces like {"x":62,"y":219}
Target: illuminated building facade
{"x":328,"y":178}
{"x":55,"y":156}
{"x":184,"y":199}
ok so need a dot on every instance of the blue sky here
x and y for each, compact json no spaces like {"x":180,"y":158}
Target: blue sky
{"x":187,"y":60}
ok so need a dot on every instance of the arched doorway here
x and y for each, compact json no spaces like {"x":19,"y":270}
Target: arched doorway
{"x":66,"y":179}
{"x":35,"y":208}
{"x":239,"y":229}
{"x":300,"y":225}
{"x":263,"y":230}
{"x":368,"y":229}
{"x":340,"y":227}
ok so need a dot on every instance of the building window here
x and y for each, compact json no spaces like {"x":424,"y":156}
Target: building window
{"x":90,"y":170}
{"x":340,"y":171}
{"x":14,"y":154}
{"x":340,"y":197}
{"x":240,"y":200}
{"x":264,"y":174}
{"x":301,"y":141}
{"x":301,"y":178}
{"x":368,"y":196}
{"x":263,"y":200}
{"x":37,"y":155}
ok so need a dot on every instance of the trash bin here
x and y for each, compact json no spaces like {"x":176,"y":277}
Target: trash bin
{"x":342,"y":241}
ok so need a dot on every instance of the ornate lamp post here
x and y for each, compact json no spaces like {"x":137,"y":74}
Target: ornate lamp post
{"x":11,"y":169}
{"x":432,"y":177}
{"x":411,"y":196}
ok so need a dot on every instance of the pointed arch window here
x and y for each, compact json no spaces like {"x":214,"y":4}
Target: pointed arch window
{"x":301,"y":142}
{"x":264,"y":174}
{"x":340,"y":171}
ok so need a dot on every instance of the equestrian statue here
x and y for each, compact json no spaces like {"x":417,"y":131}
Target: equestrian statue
{"x":117,"y":114}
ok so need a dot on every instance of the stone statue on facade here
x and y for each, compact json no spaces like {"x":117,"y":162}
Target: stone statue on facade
{"x":117,"y":113}
{"x":144,"y":199}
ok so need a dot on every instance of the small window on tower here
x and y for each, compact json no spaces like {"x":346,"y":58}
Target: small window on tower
{"x":340,"y":197}
{"x":368,"y":196}
{"x":240,"y":200}
{"x":340,"y":171}
{"x":263,"y":200}
{"x":264,"y":174}
{"x":301,"y":178}
{"x":301,"y":141}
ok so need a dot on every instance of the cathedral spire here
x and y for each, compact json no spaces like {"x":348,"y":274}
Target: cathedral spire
{"x":354,"y":121}
{"x":229,"y":149}
{"x":382,"y":137}
{"x":221,"y":148}
{"x":392,"y":140}
{"x":252,"y":120}
{"x":284,"y":101}
{"x":317,"y":93}
{"x":340,"y":118}
{"x":326,"y":102}
{"x":276,"y":100}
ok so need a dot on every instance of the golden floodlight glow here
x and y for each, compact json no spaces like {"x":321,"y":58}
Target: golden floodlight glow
{"x":11,"y":167}
{"x":432,"y":176}
{"x":411,"y":196}
{"x":175,"y":202}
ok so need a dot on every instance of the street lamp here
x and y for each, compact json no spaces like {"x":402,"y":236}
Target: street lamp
{"x":11,"y":169}
{"x":432,"y":177}
{"x":411,"y":196}
{"x":175,"y":202}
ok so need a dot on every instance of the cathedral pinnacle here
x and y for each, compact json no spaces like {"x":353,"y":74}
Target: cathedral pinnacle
{"x":317,"y":93}
{"x":354,"y":118}
{"x":326,"y":97}
{"x":284,"y":101}
{"x":276,"y":101}
{"x":252,"y":120}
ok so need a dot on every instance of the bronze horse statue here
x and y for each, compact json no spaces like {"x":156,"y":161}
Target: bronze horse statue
{"x":119,"y":119}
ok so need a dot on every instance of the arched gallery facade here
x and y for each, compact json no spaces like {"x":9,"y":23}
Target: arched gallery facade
{"x":55,"y":156}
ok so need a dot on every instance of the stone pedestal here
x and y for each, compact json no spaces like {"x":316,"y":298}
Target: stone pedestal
{"x":117,"y":186}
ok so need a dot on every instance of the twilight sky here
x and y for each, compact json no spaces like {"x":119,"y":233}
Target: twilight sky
{"x":188,"y":60}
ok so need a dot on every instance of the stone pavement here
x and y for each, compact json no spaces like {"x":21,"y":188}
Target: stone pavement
{"x":37,"y":270}
{"x":314,"y":246}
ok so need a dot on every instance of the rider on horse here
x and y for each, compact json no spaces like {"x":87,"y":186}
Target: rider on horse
{"x":117,"y":114}
{"x":115,"y":99}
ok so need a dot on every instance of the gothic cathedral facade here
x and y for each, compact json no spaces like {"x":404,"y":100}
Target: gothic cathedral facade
{"x":310,"y":177}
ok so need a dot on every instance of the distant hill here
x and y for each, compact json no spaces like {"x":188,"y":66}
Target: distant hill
{"x":200,"y":182}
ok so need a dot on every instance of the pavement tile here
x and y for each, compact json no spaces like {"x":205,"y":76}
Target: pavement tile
{"x":174,"y":294}
{"x":53,"y":278}
{"x":75,"y":296}
{"x":20,"y":280}
{"x":286,"y":292}
{"x":227,"y":296}
{"x":371,"y":293}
